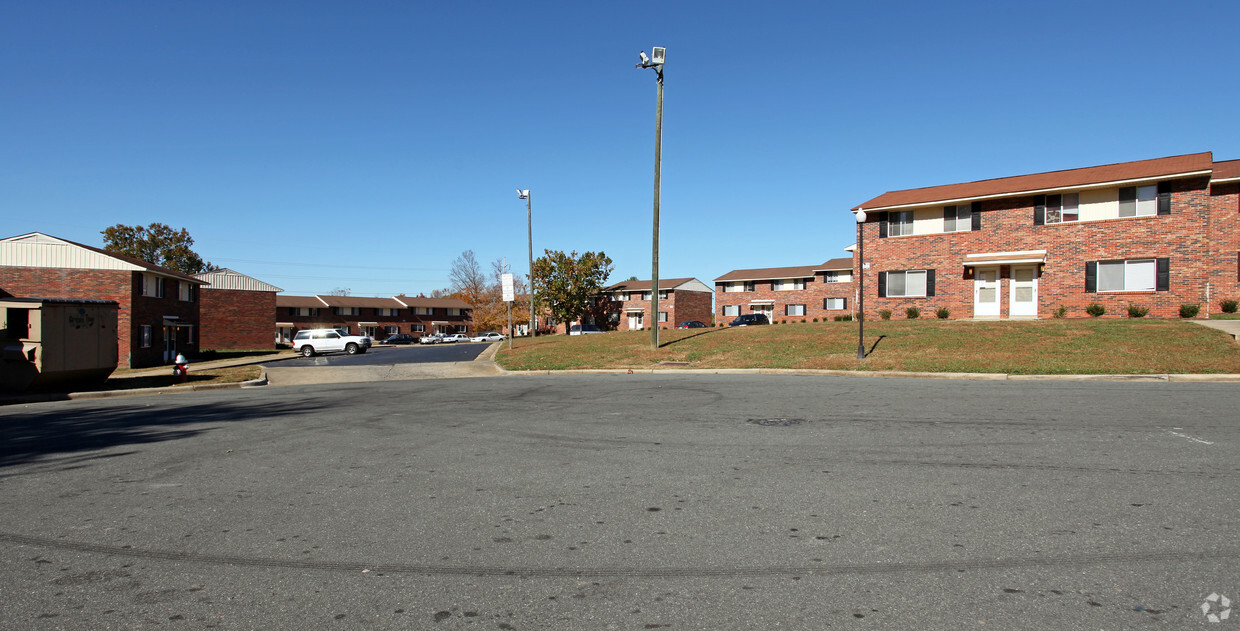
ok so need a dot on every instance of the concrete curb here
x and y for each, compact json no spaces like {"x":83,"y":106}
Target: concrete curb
{"x":962,"y":376}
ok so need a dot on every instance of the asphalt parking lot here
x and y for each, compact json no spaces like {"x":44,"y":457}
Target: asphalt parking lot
{"x":389,"y":355}
{"x":624,"y":501}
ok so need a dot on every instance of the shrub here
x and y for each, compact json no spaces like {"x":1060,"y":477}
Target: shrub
{"x":815,"y":319}
{"x":1095,"y":309}
{"x":1135,"y":311}
{"x":885,"y":314}
{"x":912,"y":313}
{"x":1229,"y":306}
{"x":942,"y":313}
{"x":1059,"y":312}
{"x":847,"y":318}
{"x":1189,"y":310}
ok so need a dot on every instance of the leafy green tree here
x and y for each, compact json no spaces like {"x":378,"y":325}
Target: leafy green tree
{"x":158,"y":244}
{"x":567,"y":284}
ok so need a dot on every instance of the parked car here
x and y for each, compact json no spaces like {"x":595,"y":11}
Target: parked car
{"x":692,"y":324}
{"x":749,"y":319}
{"x":455,"y":337}
{"x":488,"y":337}
{"x":433,"y":338}
{"x":584,"y":329}
{"x":310,"y":342}
{"x":400,"y":338}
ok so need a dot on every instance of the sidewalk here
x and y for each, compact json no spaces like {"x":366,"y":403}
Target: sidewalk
{"x":1230,"y":327}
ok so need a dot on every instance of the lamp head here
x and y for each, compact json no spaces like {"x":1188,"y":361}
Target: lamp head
{"x":523,"y":194}
{"x":643,"y":58}
{"x":860,"y":215}
{"x":657,"y":55}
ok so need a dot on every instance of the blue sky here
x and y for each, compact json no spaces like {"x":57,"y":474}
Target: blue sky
{"x":325,"y":145}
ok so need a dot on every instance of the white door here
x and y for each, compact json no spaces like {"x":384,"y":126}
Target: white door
{"x":1024,"y":298}
{"x":986,"y":292}
{"x":635,"y":321}
{"x":766,"y":310}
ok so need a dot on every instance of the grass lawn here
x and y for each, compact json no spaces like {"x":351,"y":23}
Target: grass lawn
{"x":1225,"y":316}
{"x":231,"y":374}
{"x":1067,"y":346}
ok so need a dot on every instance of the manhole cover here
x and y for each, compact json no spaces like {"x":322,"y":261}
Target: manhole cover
{"x":776,"y":422}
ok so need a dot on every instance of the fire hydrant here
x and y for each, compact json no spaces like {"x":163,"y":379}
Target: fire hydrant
{"x":180,"y":368}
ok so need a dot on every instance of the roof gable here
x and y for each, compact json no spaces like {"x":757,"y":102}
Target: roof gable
{"x":224,"y":278}
{"x":42,"y":250}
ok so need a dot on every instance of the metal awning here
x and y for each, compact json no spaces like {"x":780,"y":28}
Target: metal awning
{"x":368,"y":324}
{"x":630,"y":310}
{"x":761,"y":302}
{"x":1005,"y":258}
{"x":285,"y":324}
{"x":439,"y":322}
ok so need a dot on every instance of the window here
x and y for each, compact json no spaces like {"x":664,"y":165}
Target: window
{"x":1062,"y":208}
{"x":347,"y":311}
{"x":789,"y":284}
{"x":794,"y":310}
{"x":834,"y":303}
{"x":189,"y":335}
{"x":1131,"y":275}
{"x":731,"y":310}
{"x":837,"y":277}
{"x":958,"y":218}
{"x":311,"y":312}
{"x":662,"y":316}
{"x":910,"y":283}
{"x":391,"y":330}
{"x":422,"y":311}
{"x":1138,"y":201}
{"x":389,"y":312}
{"x":645,"y":295}
{"x":153,"y":285}
{"x":455,"y":312}
{"x":622,"y":296}
{"x":737,"y":287}
{"x":144,"y":336}
{"x":417,"y":328}
{"x":662,"y":294}
{"x":186,"y":291}
{"x":460,"y":328}
{"x":900,"y":223}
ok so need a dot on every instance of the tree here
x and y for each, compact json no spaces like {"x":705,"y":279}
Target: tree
{"x":158,"y":244}
{"x":468,"y":281}
{"x":567,"y":284}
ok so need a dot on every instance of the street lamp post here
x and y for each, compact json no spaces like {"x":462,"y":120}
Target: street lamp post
{"x":655,"y":61}
{"x":861,"y":284}
{"x":529,"y":227}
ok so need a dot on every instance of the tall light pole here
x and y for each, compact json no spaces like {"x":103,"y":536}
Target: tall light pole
{"x":655,"y":61}
{"x":529,"y":227}
{"x":861,"y":284}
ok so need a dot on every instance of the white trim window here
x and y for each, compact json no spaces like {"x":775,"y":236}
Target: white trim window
{"x":456,"y":312}
{"x":794,"y":310}
{"x":738,"y":287}
{"x":645,"y":295}
{"x":1131,"y":275}
{"x":731,"y":310}
{"x":834,"y":304}
{"x":153,"y":286}
{"x":788,"y":284}
{"x":306,"y":312}
{"x":905,"y":284}
{"x":958,"y":218}
{"x":422,"y":310}
{"x":1063,"y":208}
{"x":1138,"y":201}
{"x":900,"y":223}
{"x":622,"y":296}
{"x":186,"y":291}
{"x":417,"y":328}
{"x":663,"y":294}
{"x":347,"y":311}
{"x":837,"y":277}
{"x":144,"y":336}
{"x":389,"y":312}
{"x":391,"y":330}
{"x":662,"y":316}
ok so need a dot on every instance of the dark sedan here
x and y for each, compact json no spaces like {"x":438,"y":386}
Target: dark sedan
{"x":692,"y":324}
{"x":400,"y":338}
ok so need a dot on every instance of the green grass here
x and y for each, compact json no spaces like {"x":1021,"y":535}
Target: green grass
{"x":1067,"y":346}
{"x":1225,"y":316}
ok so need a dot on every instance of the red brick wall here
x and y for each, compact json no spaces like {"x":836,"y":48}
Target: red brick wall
{"x":404,"y":321}
{"x":1225,"y":238}
{"x":813,"y":296}
{"x":1007,"y":225}
{"x":125,"y":287}
{"x":236,"y":319}
{"x":680,"y":306}
{"x":691,"y":305}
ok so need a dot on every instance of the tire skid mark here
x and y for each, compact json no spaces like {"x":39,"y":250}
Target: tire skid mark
{"x":633,"y":572}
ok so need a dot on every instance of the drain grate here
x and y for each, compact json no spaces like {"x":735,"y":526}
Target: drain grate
{"x":776,"y":422}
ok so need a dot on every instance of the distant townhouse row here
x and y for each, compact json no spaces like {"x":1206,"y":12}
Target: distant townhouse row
{"x":787,"y":293}
{"x":1155,"y":234}
{"x":375,"y":317}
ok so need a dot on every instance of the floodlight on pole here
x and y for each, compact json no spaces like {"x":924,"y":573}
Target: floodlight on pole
{"x":529,"y":226}
{"x":657,"y":56}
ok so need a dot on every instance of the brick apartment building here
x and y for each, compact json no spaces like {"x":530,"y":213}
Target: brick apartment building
{"x":626,"y":305}
{"x":236,"y":312}
{"x":787,"y":293}
{"x":158,"y":312}
{"x":376,"y":317}
{"x":1157,"y":234}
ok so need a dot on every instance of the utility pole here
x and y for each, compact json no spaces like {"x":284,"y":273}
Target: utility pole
{"x":658,"y":54}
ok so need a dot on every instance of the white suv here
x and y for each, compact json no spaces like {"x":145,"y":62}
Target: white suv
{"x":310,"y":342}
